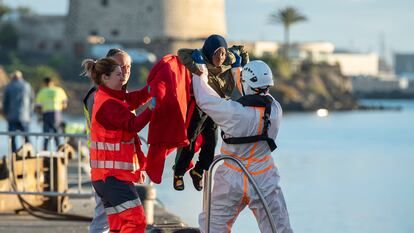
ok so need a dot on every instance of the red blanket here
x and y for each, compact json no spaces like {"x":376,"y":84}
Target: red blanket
{"x":170,"y":84}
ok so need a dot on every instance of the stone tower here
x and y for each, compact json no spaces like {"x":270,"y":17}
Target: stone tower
{"x":160,"y":26}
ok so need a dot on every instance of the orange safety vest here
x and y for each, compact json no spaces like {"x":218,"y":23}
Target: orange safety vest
{"x":112,"y":152}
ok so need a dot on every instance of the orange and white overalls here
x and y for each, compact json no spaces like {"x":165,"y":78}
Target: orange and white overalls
{"x":231,"y":190}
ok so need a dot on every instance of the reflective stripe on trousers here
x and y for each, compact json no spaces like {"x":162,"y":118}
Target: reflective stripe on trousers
{"x":109,"y":146}
{"x":114,"y":165}
{"x":122,"y":207}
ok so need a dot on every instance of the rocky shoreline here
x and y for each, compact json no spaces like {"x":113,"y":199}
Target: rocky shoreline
{"x":311,"y":87}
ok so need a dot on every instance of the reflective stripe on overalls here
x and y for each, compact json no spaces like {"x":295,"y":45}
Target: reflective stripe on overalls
{"x":251,"y":159}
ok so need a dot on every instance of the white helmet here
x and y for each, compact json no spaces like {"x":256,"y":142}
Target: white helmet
{"x":256,"y":77}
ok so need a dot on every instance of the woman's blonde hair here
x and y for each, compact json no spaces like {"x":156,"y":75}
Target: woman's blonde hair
{"x":95,"y":69}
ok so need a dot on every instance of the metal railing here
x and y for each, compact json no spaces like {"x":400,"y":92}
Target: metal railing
{"x":207,"y":191}
{"x":81,"y":143}
{"x":51,"y":154}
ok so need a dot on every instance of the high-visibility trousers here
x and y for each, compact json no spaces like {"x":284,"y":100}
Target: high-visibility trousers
{"x":122,"y":205}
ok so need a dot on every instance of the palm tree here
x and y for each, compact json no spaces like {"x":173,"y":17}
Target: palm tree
{"x":287,"y":16}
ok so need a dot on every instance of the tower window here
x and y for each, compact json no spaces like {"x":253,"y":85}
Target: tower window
{"x":41,"y":45}
{"x":57,"y":45}
{"x":104,"y":2}
{"x":115,"y":32}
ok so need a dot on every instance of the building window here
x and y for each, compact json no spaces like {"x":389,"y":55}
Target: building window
{"x":41,"y":45}
{"x":149,"y":9}
{"x":79,"y":49}
{"x":104,"y":3}
{"x":58,"y":45}
{"x":93,"y":33}
{"x":115,"y":32}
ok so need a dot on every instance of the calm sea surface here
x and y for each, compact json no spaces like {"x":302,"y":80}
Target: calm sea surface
{"x":350,"y":172}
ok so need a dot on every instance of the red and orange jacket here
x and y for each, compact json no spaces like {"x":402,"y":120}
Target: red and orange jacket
{"x":115,"y":146}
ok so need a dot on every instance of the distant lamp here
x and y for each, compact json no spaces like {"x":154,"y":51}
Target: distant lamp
{"x":95,"y":40}
{"x":322,"y":112}
{"x":146,"y":40}
{"x":152,"y":58}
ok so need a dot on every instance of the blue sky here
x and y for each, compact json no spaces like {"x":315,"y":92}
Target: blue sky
{"x":349,"y":24}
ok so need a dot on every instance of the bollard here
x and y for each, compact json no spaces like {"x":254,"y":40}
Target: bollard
{"x":147,"y":195}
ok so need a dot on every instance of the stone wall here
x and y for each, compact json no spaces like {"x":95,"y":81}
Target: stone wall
{"x":159,"y":26}
{"x":156,"y":25}
{"x":119,"y":21}
{"x":187,"y":19}
{"x":41,"y":34}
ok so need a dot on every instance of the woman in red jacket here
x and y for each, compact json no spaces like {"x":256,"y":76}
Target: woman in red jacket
{"x":116,"y":157}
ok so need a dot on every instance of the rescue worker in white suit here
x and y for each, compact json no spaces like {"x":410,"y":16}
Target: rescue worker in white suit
{"x":248,"y":130}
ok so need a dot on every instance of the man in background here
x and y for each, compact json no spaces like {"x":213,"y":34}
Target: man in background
{"x":18,"y":105}
{"x":50,"y":101}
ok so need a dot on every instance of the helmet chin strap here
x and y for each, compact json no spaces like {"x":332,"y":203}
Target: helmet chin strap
{"x":262,"y":90}
{"x":242,"y":89}
{"x":256,"y":91}
{"x":248,"y":92}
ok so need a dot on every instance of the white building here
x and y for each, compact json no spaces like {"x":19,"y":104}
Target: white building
{"x":262,"y":48}
{"x":380,"y":84}
{"x":315,"y":51}
{"x":259,"y":48}
{"x":353,"y":64}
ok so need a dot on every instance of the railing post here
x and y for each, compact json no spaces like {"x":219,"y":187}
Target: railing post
{"x":48,"y":153}
{"x":79,"y":167}
{"x":11,"y":157}
{"x":23,"y":166}
{"x":37,"y":165}
{"x":206,"y":193}
{"x":51,"y":166}
{"x":251,"y":180}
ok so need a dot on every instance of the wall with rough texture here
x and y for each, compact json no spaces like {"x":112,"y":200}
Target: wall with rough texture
{"x":129,"y":21}
{"x":194,"y":18}
{"x":41,"y":33}
{"x":117,"y":21}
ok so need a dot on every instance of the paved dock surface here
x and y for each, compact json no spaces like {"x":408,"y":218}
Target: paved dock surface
{"x":23,"y":222}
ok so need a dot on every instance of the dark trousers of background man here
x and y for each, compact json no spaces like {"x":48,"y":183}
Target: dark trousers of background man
{"x":18,"y":126}
{"x":51,"y":122}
